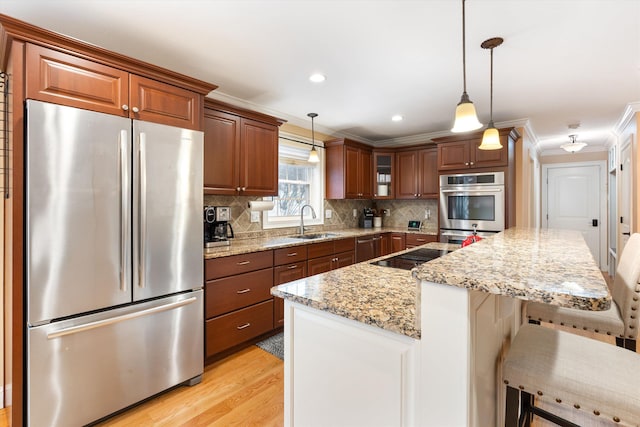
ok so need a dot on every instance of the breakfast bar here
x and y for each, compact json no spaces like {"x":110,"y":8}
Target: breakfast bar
{"x":372,"y":345}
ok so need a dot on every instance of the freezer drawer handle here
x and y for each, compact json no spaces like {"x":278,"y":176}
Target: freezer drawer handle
{"x":118,"y":319}
{"x":246,"y":325}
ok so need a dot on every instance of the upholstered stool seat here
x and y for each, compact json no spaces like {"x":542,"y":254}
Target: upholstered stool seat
{"x":585,"y":375}
{"x":621,"y":320}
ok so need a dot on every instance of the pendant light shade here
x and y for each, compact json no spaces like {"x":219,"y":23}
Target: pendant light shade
{"x":573,"y":146}
{"x":491,"y":136}
{"x":466,"y":118}
{"x":313,"y":154}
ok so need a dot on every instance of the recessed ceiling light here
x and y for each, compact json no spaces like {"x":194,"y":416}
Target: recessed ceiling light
{"x":317,"y":78}
{"x":397,"y":118}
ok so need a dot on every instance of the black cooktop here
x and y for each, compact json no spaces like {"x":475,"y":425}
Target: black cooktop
{"x":414,"y":258}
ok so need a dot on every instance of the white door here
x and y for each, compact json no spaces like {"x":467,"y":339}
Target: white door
{"x":625,"y":195}
{"x":573,"y":202}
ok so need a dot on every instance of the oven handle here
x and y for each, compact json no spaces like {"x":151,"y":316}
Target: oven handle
{"x":483,"y":190}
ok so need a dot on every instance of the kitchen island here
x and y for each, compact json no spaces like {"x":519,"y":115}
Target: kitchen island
{"x":367,"y":345}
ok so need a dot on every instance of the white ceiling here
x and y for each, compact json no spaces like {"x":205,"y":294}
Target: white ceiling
{"x":562,"y":61}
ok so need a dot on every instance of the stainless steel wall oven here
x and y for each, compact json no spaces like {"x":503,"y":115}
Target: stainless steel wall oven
{"x":473,"y":201}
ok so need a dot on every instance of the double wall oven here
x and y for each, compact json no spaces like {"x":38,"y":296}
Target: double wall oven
{"x":471,"y":202}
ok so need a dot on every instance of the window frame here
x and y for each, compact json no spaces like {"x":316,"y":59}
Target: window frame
{"x":317,"y":192}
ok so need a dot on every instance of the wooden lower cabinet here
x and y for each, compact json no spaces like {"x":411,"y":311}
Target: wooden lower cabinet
{"x":419,"y":239}
{"x":398,"y":242}
{"x":283,"y":274}
{"x":385,"y":244}
{"x":330,"y":262}
{"x":238,"y":301}
{"x":229,"y":330}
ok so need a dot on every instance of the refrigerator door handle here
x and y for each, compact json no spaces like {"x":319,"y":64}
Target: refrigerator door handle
{"x":142,"y":203}
{"x":101,"y":323}
{"x":124,"y":207}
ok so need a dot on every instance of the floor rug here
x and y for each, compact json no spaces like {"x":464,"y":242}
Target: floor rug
{"x":274,"y":345}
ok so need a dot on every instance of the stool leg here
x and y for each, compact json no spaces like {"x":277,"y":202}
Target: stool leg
{"x":630,"y":344}
{"x":526,"y":406}
{"x":511,"y":407}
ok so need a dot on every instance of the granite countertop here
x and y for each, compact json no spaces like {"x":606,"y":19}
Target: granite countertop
{"x":380,"y":296}
{"x":267,"y":243}
{"x":550,"y":266}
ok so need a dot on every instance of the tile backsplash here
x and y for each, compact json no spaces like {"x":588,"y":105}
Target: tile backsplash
{"x":342,"y":216}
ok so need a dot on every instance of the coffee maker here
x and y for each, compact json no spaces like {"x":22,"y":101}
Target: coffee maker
{"x":217,"y":228}
{"x":366,"y":219}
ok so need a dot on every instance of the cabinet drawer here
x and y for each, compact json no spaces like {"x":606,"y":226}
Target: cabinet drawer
{"x":231,"y":329}
{"x":287,"y":273}
{"x":289,"y":255}
{"x":344,"y":245}
{"x":320,"y":249}
{"x":414,"y":239}
{"x":234,"y":292}
{"x":344,"y":259}
{"x":236,"y":264}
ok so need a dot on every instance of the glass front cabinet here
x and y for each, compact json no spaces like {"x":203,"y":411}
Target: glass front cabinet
{"x":383,"y":175}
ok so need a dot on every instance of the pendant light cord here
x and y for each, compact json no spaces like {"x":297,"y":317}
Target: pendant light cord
{"x":464,"y":53}
{"x":491,"y":88}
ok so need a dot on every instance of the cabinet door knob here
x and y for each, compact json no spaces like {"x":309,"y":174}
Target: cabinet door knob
{"x":135,"y":109}
{"x":466,"y":163}
{"x":419,"y":194}
{"x":471,"y":163}
{"x":244,"y":188}
{"x":125,"y":107}
{"x":237,"y":188}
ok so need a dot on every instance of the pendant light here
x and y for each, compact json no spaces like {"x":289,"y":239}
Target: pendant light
{"x":573,"y":146}
{"x":466,"y":118}
{"x":491,"y":136}
{"x":313,"y":154}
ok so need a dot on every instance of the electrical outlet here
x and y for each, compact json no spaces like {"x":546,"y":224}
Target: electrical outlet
{"x":387,"y":212}
{"x":355,"y":213}
{"x":255,"y":216}
{"x":328,"y":213}
{"x":427,"y":214}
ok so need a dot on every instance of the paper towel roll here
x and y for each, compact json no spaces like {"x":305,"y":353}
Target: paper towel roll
{"x":261,"y":205}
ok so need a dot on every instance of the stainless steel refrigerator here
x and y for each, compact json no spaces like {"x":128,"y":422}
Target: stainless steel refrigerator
{"x":114,"y":300}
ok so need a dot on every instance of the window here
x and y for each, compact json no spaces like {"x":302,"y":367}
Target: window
{"x":299,"y":183}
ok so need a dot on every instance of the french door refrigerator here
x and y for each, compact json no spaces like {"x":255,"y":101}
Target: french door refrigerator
{"x":114,"y":270}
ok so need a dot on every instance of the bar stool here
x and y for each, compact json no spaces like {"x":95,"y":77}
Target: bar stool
{"x":586,"y":376}
{"x":621,"y":320}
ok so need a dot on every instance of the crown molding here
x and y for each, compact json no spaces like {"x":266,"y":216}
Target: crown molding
{"x":627,"y":115}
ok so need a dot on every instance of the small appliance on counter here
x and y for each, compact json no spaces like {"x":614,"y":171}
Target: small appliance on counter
{"x":414,"y":225}
{"x":217,"y":228}
{"x":366,"y":219}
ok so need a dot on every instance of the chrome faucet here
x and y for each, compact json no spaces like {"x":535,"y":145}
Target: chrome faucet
{"x":313,"y":215}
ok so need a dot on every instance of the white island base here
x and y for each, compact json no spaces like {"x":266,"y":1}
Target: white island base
{"x":342,"y":372}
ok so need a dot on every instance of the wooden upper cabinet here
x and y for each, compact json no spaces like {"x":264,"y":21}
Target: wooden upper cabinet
{"x":454,"y":155}
{"x":240,"y":151}
{"x":384,"y":176}
{"x":461,"y":152}
{"x":348,"y":168}
{"x":259,"y":158}
{"x":61,"y":78}
{"x":221,"y":152}
{"x":417,"y":174}
{"x":157,"y":102}
{"x":429,"y":185}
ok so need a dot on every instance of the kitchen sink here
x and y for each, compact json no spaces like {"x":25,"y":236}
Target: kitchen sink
{"x":312,"y":236}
